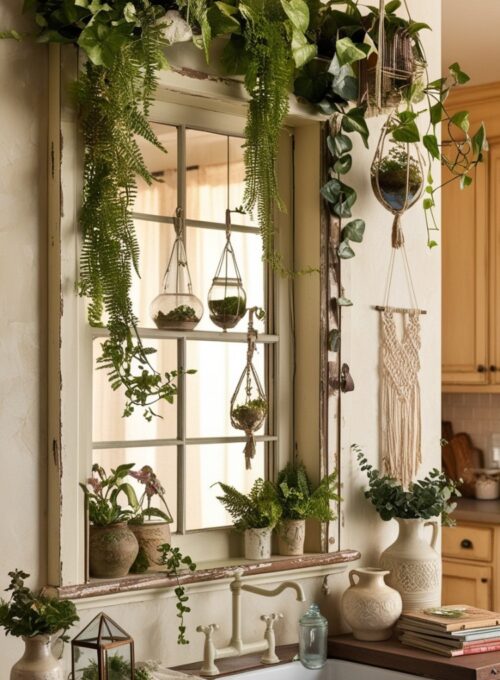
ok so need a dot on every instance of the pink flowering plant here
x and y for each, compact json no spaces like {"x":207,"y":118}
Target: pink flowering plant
{"x":103,"y":493}
{"x":152,"y":487}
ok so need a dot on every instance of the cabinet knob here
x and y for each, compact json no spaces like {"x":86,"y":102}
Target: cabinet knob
{"x":466,"y":544}
{"x":493,"y":368}
{"x":481,"y":368}
{"x":484,"y":580}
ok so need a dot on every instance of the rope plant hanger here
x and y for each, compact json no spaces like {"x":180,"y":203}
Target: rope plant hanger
{"x":249,"y":402}
{"x":387,"y":71}
{"x":227,"y":300}
{"x":176,"y":307}
{"x":397,"y":182}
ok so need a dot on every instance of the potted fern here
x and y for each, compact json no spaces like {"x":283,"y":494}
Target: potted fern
{"x":299,"y":501}
{"x":255,"y":515}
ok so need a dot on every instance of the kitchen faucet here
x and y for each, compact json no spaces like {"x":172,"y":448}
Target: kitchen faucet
{"x":236,"y":645}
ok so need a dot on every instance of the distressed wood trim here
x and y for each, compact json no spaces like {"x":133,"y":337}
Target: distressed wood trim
{"x":132,"y":583}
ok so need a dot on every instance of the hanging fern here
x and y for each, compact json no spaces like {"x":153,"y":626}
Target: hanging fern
{"x":113,"y":102}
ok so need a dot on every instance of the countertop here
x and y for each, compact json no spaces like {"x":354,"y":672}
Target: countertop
{"x":472,"y":510}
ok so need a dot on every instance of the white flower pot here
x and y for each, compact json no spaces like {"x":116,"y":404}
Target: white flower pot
{"x":291,"y":536}
{"x":258,"y":544}
{"x":369,"y":606}
{"x":414,"y":565}
{"x":38,"y":662}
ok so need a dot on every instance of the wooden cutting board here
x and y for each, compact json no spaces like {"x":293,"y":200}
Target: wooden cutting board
{"x":460,"y":458}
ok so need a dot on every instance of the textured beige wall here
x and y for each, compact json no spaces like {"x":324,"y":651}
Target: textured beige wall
{"x":22,"y":365}
{"x":23,"y":79}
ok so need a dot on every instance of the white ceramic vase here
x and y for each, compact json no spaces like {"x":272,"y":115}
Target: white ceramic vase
{"x":291,"y":536}
{"x":258,"y":544}
{"x":414,"y":564}
{"x":38,"y":662}
{"x":370,"y":606}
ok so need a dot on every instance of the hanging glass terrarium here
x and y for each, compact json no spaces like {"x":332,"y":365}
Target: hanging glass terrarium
{"x":249,"y":402}
{"x":176,"y":308}
{"x":397,"y":175}
{"x":227,"y":300}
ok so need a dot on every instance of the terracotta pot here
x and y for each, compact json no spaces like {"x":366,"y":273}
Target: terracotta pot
{"x":112,"y":550}
{"x":150,"y":536}
{"x":414,"y":565}
{"x":258,"y":544}
{"x":38,"y":662}
{"x":369,"y":606}
{"x":291,"y":537}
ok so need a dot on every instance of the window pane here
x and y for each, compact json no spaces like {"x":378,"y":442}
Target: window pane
{"x":213,"y":463}
{"x":204,"y":249}
{"x":108,"y":405}
{"x":159,"y":198}
{"x":155,"y":241}
{"x":215,"y":178}
{"x":219,"y":366}
{"x":163,"y":460}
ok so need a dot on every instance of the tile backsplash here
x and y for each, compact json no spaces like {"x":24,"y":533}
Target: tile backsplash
{"x":476,"y":414}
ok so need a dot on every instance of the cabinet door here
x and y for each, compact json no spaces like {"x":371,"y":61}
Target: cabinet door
{"x":465,"y":281}
{"x":494,"y":160}
{"x":466,"y":584}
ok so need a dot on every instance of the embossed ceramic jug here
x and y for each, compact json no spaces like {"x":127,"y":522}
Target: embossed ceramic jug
{"x":38,"y":662}
{"x":369,"y":606}
{"x":414,"y":564}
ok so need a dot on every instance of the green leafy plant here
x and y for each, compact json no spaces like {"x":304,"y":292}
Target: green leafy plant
{"x":152,"y":487}
{"x":117,"y":667}
{"x":174,"y":560}
{"x":398,"y":177}
{"x":102,"y":493}
{"x":180,"y":313}
{"x":297,"y":498}
{"x":27,"y":614}
{"x":433,"y":496}
{"x":248,"y":415}
{"x":233,"y":305}
{"x":257,"y":510}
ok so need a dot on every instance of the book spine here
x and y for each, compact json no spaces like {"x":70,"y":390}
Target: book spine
{"x":480,"y":649}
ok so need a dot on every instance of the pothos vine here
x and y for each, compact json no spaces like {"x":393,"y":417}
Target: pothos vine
{"x":273,"y":44}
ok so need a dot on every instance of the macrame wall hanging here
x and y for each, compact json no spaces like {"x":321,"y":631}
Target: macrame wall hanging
{"x":249,"y":402}
{"x":397,"y":181}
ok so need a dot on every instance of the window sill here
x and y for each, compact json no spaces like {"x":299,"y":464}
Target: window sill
{"x":207,"y":572}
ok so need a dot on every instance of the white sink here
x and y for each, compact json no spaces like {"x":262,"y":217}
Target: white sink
{"x":334,"y":670}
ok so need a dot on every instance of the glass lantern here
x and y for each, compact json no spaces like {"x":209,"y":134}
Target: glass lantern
{"x":227,"y":300}
{"x":176,"y":308}
{"x":102,"y":651}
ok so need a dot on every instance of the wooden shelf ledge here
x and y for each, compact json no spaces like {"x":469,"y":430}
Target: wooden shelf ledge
{"x":205,"y":573}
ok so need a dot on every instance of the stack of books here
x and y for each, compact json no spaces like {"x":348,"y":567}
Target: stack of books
{"x":454,"y":630}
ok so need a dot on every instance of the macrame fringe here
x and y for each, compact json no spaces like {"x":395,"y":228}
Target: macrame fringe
{"x":398,"y":238}
{"x":249,"y":449}
{"x":400,"y":407}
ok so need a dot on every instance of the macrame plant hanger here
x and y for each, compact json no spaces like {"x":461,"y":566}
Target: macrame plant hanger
{"x":249,"y":403}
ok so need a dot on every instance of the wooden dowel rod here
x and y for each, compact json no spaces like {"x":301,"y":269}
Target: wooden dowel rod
{"x":399,"y":310}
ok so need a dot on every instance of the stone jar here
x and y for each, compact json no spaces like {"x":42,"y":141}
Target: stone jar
{"x":150,"y":535}
{"x":38,"y":662}
{"x":369,"y":605}
{"x":291,"y":537}
{"x":112,"y":550}
{"x":258,"y":544}
{"x":414,"y":564}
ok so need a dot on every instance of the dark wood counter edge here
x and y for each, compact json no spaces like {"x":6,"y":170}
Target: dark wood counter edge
{"x":138,"y":582}
{"x":241,"y":664}
{"x":391,"y":655}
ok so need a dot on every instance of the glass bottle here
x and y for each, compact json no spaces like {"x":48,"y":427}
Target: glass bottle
{"x":313,"y":634}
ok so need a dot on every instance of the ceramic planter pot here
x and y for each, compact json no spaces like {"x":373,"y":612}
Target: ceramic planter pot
{"x":38,"y":662}
{"x":150,"y":536}
{"x":370,"y":606}
{"x":258,"y":544}
{"x":291,"y":536}
{"x":112,"y":550}
{"x":414,"y":564}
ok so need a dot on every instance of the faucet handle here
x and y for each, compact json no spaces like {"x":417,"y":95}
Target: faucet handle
{"x":270,"y":655}
{"x":208,"y":630}
{"x":208,"y":667}
{"x":270,"y":619}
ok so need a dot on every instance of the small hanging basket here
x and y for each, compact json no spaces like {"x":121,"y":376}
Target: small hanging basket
{"x":249,"y":403}
{"x":385,"y":74}
{"x":397,"y":173}
{"x":176,"y":308}
{"x":227,"y":300}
